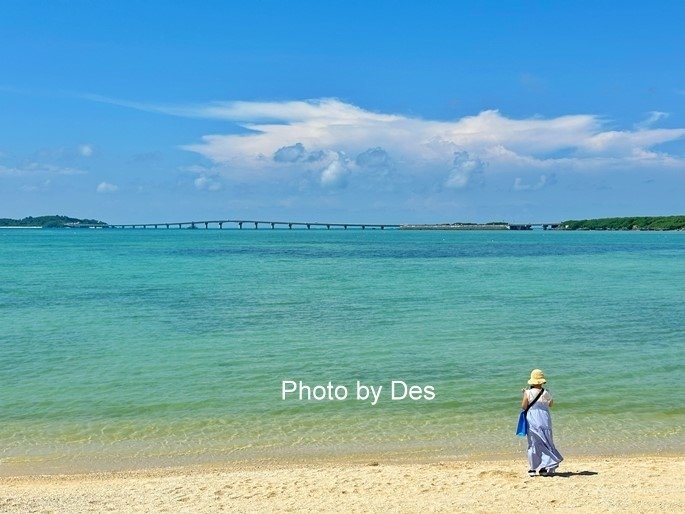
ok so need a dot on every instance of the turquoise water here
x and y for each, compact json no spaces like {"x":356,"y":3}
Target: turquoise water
{"x":143,"y":347}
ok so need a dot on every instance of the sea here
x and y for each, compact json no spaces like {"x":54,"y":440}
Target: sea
{"x":140,"y":348}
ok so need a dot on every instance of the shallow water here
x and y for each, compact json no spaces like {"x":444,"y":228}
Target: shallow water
{"x":171,"y":345}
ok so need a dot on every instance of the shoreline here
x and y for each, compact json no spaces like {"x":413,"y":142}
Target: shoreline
{"x":635,"y":484}
{"x":321,"y":461}
{"x":111,"y":464}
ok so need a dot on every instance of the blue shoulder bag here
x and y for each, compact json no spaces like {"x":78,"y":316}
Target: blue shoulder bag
{"x":522,"y":427}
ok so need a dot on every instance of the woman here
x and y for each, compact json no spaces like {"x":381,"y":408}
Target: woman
{"x":543,"y":457}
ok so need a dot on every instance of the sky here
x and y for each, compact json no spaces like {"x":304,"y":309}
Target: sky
{"x":373,"y":111}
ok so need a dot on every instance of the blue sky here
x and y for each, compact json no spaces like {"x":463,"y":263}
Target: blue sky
{"x":342,"y":111}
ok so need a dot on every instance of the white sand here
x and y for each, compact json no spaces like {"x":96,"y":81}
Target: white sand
{"x":646,"y":484}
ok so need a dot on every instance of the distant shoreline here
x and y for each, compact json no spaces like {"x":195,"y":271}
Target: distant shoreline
{"x":643,"y":223}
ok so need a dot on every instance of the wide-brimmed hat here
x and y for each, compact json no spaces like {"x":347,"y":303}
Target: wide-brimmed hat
{"x":537,"y":377}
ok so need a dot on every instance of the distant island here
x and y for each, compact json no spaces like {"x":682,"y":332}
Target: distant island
{"x":625,"y":223}
{"x":637,"y":223}
{"x":50,"y":222}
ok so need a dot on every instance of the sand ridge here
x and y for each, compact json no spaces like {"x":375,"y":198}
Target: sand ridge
{"x":585,"y":484}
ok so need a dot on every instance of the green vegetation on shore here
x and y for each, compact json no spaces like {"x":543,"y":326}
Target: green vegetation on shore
{"x":49,"y":222}
{"x":635,"y":223}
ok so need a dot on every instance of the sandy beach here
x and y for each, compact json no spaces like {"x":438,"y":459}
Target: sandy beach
{"x":635,"y":484}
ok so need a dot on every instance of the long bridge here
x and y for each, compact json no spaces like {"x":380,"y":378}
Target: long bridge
{"x":239,"y":223}
{"x":254,"y":223}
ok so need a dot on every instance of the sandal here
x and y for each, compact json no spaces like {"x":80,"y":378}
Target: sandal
{"x":531,"y":472}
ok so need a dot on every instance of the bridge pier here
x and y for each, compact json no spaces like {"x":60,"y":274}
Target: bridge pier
{"x":345,"y":227}
{"x":256,"y":225}
{"x":328,"y":227}
{"x":240,"y":224}
{"x":221,"y":225}
{"x":272,"y":226}
{"x":290,"y":226}
{"x":308,"y":226}
{"x":363,"y":227}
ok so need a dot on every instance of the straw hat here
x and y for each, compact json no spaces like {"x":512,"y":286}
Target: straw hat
{"x":537,"y":377}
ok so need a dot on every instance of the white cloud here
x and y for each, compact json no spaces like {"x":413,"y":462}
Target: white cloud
{"x":375,"y":159}
{"x":291,"y":153}
{"x":56,"y":170}
{"x":335,"y":173}
{"x":37,"y":168}
{"x":206,"y":183}
{"x":106,"y":187}
{"x":465,"y":171}
{"x":85,"y":150}
{"x":309,"y":136}
{"x":208,"y":178}
{"x":330,"y":125}
{"x":519,"y":185}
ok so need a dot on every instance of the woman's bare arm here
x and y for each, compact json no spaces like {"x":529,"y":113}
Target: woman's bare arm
{"x":524,"y":401}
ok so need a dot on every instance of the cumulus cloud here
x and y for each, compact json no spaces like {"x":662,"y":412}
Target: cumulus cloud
{"x":465,"y":170}
{"x":309,"y":136}
{"x":335,"y":174}
{"x":106,"y":187}
{"x":374,"y":159}
{"x":291,"y":153}
{"x":285,"y":129}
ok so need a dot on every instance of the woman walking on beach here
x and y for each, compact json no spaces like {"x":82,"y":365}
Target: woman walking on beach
{"x":543,"y":457}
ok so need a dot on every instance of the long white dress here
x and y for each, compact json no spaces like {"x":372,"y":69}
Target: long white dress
{"x":541,"y":450}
